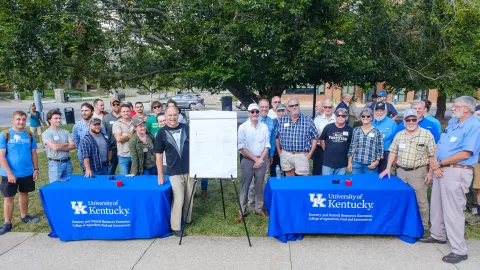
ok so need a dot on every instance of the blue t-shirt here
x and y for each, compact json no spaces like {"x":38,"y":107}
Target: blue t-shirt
{"x":34,"y":119}
{"x":435,"y":121}
{"x":426,"y":124}
{"x":19,"y":154}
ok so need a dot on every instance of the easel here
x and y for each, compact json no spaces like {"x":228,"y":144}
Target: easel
{"x":195,"y":180}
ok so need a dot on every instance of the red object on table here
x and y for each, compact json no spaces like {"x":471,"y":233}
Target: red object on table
{"x":119,"y":183}
{"x":348,"y":183}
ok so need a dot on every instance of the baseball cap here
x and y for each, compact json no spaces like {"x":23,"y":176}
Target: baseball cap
{"x":114,"y":99}
{"x":477,"y":108}
{"x":409,"y":112}
{"x":379,"y":106}
{"x":382,"y":94}
{"x":281,"y":107}
{"x":138,"y":121}
{"x":253,"y":106}
{"x":374,"y":96}
{"x":95,"y":121}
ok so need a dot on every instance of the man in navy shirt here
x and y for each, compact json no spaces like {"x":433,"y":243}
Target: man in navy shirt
{"x":391,"y":112}
{"x":419,"y":107}
{"x":345,"y":102}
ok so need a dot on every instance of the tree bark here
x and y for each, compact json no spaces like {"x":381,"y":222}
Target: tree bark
{"x":441,"y":105}
{"x":241,"y":92}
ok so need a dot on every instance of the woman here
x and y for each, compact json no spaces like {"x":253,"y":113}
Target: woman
{"x":352,"y":108}
{"x":141,"y":150}
{"x":366,"y":149}
{"x":36,"y":123}
{"x":152,"y":122}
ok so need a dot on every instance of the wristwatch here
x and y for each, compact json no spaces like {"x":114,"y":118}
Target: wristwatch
{"x":36,"y":170}
{"x":440,"y":163}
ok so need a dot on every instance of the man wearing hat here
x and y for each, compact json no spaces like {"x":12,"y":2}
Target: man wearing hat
{"x":413,"y":149}
{"x":254,"y":145}
{"x":387,"y":127}
{"x":419,"y":107}
{"x":391,"y":112}
{"x":281,"y":110}
{"x":321,"y":121}
{"x":108,"y":121}
{"x":95,"y":149}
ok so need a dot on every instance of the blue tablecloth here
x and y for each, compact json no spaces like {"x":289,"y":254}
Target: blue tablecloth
{"x":314,"y":205}
{"x":95,"y":208}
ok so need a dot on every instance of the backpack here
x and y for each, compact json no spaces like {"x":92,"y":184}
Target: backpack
{"x":6,"y":134}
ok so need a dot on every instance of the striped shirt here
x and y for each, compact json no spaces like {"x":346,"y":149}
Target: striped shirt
{"x":298,"y":136}
{"x":413,"y":152}
{"x":90,"y":149}
{"x":366,"y":147}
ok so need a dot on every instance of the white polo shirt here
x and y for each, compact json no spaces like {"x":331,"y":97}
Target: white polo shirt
{"x":255,"y":139}
{"x":321,"y":121}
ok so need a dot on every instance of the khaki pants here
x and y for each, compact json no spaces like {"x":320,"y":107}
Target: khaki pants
{"x":447,"y":205}
{"x":257,"y":175}
{"x":182,"y":187}
{"x":416,"y":179}
{"x":476,"y":177}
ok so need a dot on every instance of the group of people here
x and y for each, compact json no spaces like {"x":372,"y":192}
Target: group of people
{"x":275,"y":136}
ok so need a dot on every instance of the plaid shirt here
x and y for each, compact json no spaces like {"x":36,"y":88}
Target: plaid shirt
{"x":296,"y":137}
{"x":78,"y":132}
{"x":89,"y":148}
{"x":413,"y":152}
{"x":366,"y":148}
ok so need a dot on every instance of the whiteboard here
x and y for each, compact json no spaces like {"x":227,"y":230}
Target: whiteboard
{"x":213,"y":144}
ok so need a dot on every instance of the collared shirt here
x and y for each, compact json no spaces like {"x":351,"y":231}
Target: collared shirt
{"x":366,"y":147}
{"x":271,"y":132}
{"x":424,"y":123}
{"x":460,"y":137}
{"x":391,"y":111}
{"x":296,"y":136}
{"x":79,"y":130}
{"x":413,"y":152}
{"x":123,"y":149}
{"x":272,"y":114}
{"x":91,"y":150}
{"x":435,"y":121}
{"x":255,"y":139}
{"x":321,"y":121}
{"x":388,"y":128}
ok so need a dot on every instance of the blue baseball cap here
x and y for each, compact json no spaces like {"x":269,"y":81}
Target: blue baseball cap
{"x":382,"y":94}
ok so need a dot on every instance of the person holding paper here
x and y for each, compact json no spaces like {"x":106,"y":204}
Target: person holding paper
{"x":254,"y":145}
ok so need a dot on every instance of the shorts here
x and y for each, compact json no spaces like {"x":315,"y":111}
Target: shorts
{"x":476,"y":176}
{"x":299,"y":162}
{"x":36,"y":130}
{"x":23,"y":184}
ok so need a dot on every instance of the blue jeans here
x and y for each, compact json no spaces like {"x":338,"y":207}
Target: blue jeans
{"x":204,"y":184}
{"x":124,"y":164}
{"x":114,"y":163}
{"x":103,"y":171}
{"x":152,"y":171}
{"x":58,"y":170}
{"x":333,"y":171}
{"x":360,"y":168}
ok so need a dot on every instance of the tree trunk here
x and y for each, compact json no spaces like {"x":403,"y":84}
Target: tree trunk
{"x":241,"y":92}
{"x":85,"y":85}
{"x":441,"y":105}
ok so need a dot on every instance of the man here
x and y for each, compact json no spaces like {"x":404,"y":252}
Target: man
{"x":96,"y":151}
{"x":457,"y":153}
{"x":272,"y":113}
{"x":345,"y":102}
{"x":281,"y":111}
{"x":319,"y":108}
{"x":36,"y":122}
{"x":59,"y":143}
{"x":108,"y":121}
{"x":152,"y":123}
{"x":123,"y":130}
{"x":419,"y":107}
{"x":391,"y":112}
{"x":254,"y":145}
{"x":173,"y":103}
{"x":98,"y":109}
{"x":296,"y":139}
{"x":81,"y":128}
{"x":335,"y":141}
{"x":426,"y":115}
{"x":413,"y":149}
{"x":139,"y":111}
{"x":321,"y":121}
{"x":18,"y":152}
{"x":173,"y":139}
{"x":387,"y":127}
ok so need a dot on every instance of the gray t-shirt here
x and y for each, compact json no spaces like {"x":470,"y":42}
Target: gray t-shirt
{"x":108,"y":121}
{"x":57,"y":136}
{"x":102,"y":147}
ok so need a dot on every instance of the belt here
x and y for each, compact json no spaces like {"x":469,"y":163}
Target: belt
{"x":59,"y":160}
{"x":410,"y":169}
{"x":245,"y":157}
{"x":460,"y":166}
{"x":296,"y":153}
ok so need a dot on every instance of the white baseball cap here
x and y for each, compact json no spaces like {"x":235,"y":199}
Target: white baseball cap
{"x":253,"y":106}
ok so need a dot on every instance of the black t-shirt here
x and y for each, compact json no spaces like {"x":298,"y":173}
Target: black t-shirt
{"x":175,"y":143}
{"x":337,"y":142}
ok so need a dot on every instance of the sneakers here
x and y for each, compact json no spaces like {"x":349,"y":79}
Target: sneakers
{"x":5,"y":228}
{"x":29,"y":219}
{"x":473,"y":220}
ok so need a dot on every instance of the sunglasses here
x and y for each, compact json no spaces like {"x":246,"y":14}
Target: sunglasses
{"x":116,"y":104}
{"x":365,"y":116}
{"x":254,"y":111}
{"x":327,"y":107}
{"x":156,"y":107}
{"x":342,"y":115}
{"x":414,"y":120}
{"x":293,"y":106}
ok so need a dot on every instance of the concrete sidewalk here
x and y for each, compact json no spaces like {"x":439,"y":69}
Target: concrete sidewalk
{"x":30,"y":251}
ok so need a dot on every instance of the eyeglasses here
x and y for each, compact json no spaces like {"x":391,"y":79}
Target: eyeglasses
{"x":455,"y":106}
{"x":342,"y":115}
{"x":413,"y":120}
{"x":156,"y":107}
{"x":327,"y":107}
{"x":293,"y":105}
{"x":254,"y":111}
{"x":276,"y":102}
{"x":116,"y":104}
{"x":366,"y":116}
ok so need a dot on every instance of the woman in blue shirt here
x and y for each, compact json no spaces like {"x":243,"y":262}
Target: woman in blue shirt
{"x":36,"y":122}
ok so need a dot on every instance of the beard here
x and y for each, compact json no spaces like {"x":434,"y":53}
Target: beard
{"x":380,"y":118}
{"x":87,"y":117}
{"x":457,"y":115}
{"x":95,"y":132}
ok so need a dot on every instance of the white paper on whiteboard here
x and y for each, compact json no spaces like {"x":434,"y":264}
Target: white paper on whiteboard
{"x":213,"y":144}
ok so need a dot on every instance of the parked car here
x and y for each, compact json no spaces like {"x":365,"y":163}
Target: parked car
{"x":186,"y":101}
{"x":240,"y":106}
